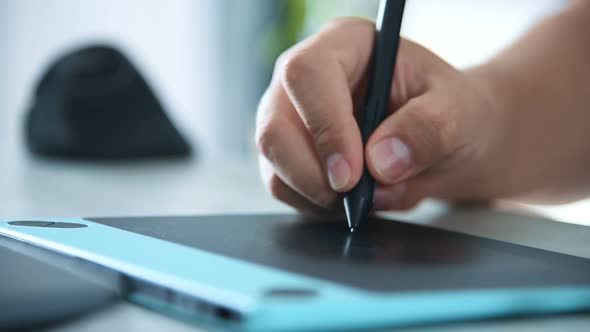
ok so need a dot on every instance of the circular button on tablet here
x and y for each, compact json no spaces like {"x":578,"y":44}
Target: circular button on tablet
{"x":288,"y":292}
{"x":30,"y":223}
{"x":48,"y":224}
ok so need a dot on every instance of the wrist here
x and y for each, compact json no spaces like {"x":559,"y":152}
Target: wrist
{"x":490,"y":90}
{"x":502,"y":139}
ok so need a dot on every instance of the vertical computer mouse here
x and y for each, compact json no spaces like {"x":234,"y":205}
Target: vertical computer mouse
{"x":93,"y":103}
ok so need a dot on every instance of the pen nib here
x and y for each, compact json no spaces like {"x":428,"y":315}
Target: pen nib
{"x":356,"y":212}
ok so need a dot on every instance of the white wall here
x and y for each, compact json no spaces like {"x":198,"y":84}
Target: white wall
{"x":467,"y":32}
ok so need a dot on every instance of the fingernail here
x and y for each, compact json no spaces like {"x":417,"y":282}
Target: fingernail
{"x":391,"y":158}
{"x":386,"y":197}
{"x":338,"y":171}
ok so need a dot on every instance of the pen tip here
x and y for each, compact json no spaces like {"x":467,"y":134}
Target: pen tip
{"x":356,"y":212}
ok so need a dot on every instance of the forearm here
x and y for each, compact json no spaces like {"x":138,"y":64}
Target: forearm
{"x":541,"y":85}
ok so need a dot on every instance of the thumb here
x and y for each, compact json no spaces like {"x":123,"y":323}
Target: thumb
{"x":419,"y":135}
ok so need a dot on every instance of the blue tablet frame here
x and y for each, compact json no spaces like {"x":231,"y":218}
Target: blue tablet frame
{"x":241,"y":286}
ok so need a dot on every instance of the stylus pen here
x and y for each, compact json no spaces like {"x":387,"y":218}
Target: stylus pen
{"x":359,"y":201}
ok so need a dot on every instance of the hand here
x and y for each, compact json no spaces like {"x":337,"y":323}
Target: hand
{"x":440,"y":140}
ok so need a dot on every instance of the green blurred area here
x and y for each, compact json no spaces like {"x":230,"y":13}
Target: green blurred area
{"x":299,"y":18}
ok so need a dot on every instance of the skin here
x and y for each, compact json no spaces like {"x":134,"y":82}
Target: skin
{"x":516,"y":127}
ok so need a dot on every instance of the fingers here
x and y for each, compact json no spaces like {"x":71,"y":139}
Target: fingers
{"x":419,"y":135}
{"x":283,"y":141}
{"x":283,"y":192}
{"x":408,"y":193}
{"x":401,"y":196}
{"x":319,"y":77}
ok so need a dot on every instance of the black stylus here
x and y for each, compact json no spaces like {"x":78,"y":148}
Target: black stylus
{"x":359,"y":201}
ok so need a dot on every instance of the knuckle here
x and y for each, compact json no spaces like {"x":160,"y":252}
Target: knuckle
{"x":429,"y":121}
{"x":282,"y":59}
{"x":426,"y":133}
{"x":266,"y":170}
{"x":296,"y":67}
{"x":450,"y":133}
{"x":432,"y":129}
{"x":348,"y":20}
{"x":440,"y":128}
{"x":323,"y":133}
{"x":275,"y":187}
{"x":267,"y":133}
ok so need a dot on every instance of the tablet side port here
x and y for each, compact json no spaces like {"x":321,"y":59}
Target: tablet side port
{"x":184,"y":306}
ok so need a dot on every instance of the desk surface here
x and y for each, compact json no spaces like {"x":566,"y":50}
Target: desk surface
{"x":36,"y":187}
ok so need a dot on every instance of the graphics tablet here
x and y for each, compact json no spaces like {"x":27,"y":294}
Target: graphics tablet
{"x":291,"y":273}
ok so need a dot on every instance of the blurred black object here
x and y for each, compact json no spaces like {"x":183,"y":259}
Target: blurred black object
{"x":92,"y":103}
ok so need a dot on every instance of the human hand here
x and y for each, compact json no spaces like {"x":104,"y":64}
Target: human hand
{"x":442,"y":139}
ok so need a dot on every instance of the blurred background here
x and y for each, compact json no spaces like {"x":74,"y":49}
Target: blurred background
{"x":208,"y":62}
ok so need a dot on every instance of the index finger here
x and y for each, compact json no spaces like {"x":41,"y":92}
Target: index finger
{"x":320,"y":76}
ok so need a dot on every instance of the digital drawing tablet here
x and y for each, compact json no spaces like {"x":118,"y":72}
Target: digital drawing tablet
{"x":291,"y":273}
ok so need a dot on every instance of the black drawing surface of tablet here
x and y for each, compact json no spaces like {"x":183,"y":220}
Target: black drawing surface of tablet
{"x":386,"y":256}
